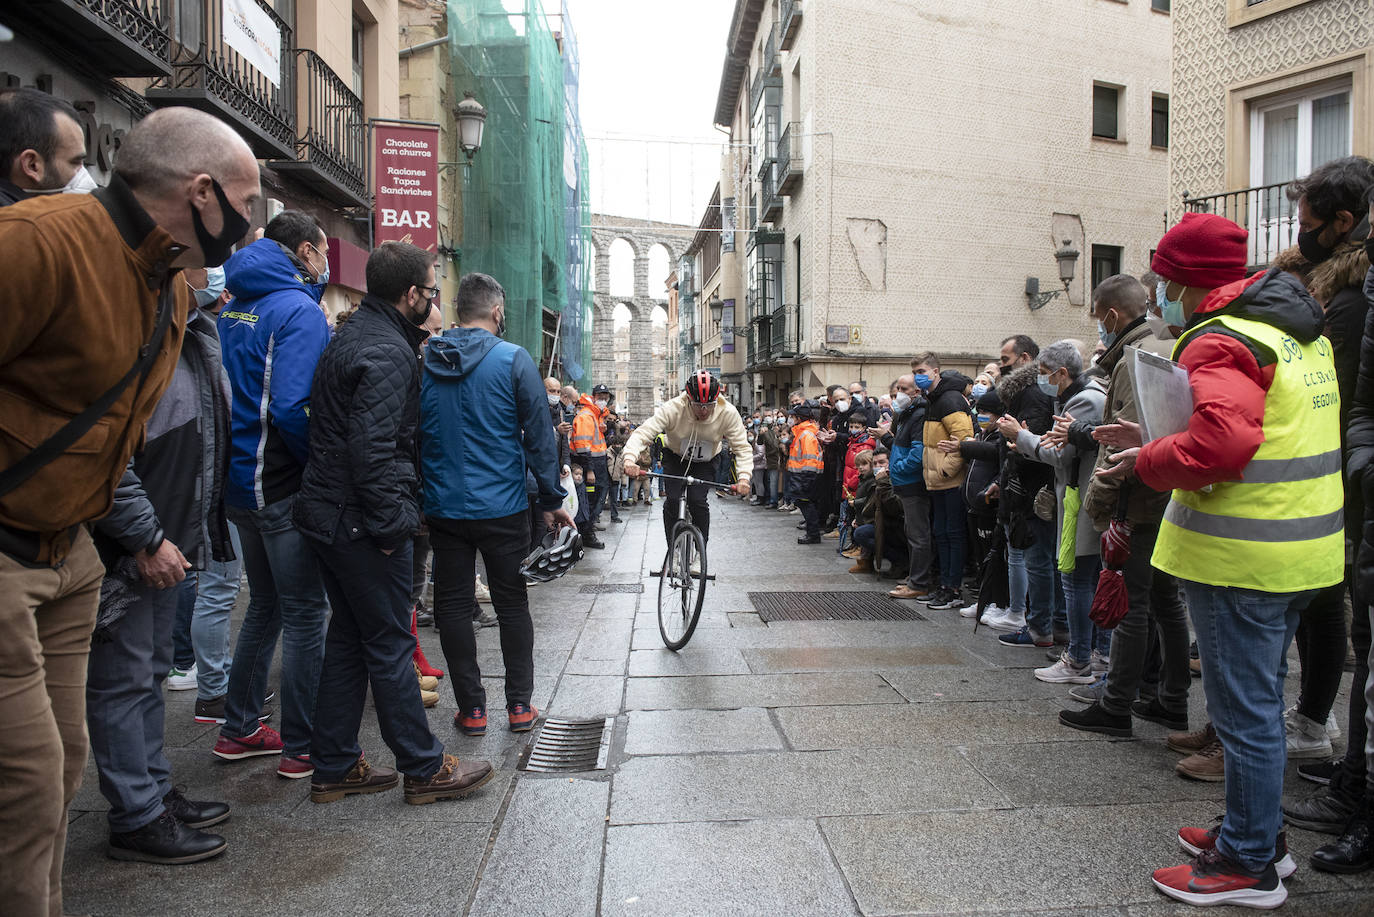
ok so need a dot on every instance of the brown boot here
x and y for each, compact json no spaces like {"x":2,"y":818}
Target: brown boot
{"x":1209,"y":764}
{"x":1190,"y":743}
{"x":361,"y":778}
{"x":862,"y":565}
{"x":454,"y":780}
{"x":427,"y":682}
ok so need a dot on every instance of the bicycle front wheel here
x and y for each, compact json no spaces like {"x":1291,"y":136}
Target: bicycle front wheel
{"x":682,"y":586}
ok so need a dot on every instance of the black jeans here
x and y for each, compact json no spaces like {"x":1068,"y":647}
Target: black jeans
{"x":504,"y":542}
{"x":369,"y":641}
{"x":698,"y":503}
{"x":1321,"y":648}
{"x":1153,"y":605}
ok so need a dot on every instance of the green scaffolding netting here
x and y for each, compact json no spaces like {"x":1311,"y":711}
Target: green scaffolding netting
{"x":526,"y":206}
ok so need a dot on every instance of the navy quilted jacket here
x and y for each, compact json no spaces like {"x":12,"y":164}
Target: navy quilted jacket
{"x":360,"y":481}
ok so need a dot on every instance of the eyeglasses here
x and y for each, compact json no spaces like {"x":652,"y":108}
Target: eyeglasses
{"x":432,"y":291}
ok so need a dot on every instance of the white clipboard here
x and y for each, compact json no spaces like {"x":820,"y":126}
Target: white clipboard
{"x":1163,"y":397}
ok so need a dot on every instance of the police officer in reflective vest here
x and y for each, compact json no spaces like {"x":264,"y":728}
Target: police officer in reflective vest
{"x":1254,"y":526}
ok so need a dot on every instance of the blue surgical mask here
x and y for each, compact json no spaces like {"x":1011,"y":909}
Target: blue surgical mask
{"x":214,"y":286}
{"x":1172,"y":309}
{"x":979,"y":391}
{"x":922,"y":381}
{"x":1108,"y":338}
{"x":1043,"y":380}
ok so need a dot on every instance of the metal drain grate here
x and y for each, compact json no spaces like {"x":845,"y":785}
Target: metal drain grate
{"x":607,"y":588}
{"x":570,"y":745}
{"x":832,"y":606}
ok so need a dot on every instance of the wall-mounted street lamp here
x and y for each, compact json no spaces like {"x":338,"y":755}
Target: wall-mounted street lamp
{"x":1067,"y":256}
{"x":717,"y":310}
{"x":472,"y":121}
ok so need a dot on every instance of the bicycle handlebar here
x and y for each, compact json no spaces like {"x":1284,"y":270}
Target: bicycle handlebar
{"x":675,"y":477}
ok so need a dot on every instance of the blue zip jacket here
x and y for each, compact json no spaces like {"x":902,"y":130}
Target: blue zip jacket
{"x":484,"y":419}
{"x":908,"y":450}
{"x":272,"y":335}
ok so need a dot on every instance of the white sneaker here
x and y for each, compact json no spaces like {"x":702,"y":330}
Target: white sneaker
{"x":1333,"y":729}
{"x":178,"y":680}
{"x":1305,"y":738}
{"x":1099,"y":663}
{"x":1004,"y":619}
{"x":971,"y":611}
{"x":483,"y":593}
{"x":1064,"y":672}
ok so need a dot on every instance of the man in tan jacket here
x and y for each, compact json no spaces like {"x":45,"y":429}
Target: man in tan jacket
{"x":948,"y":417}
{"x":91,"y":285}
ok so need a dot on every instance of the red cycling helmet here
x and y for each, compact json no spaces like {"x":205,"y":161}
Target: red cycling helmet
{"x":702,"y":387}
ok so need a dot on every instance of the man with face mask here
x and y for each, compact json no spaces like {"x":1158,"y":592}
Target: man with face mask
{"x":905,"y":468}
{"x":273,"y":336}
{"x":1254,"y":527}
{"x":485,"y":420}
{"x":589,"y":453}
{"x":75,"y":408}
{"x":358,"y":506}
{"x":42,"y":146}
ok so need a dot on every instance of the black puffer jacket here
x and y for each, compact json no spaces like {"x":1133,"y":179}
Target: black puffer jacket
{"x":361,"y":480}
{"x":1024,"y":400}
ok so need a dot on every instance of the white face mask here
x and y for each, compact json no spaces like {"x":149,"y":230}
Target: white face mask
{"x":80,"y":183}
{"x":1158,"y":326}
{"x":842,"y":405}
{"x":901,"y":402}
{"x":553,"y":399}
{"x":601,"y":403}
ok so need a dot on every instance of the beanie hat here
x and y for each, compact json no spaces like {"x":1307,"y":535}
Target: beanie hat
{"x":1202,"y":250}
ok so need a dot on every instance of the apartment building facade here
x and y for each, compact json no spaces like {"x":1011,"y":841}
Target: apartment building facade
{"x":1265,"y":91}
{"x":915,"y":176}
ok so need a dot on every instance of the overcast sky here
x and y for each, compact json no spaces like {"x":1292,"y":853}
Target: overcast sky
{"x":650,"y":72}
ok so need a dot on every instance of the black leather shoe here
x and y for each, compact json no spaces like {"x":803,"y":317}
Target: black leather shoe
{"x":194,"y":814}
{"x":1156,"y":712}
{"x":1095,"y":719}
{"x":165,"y":840}
{"x":1328,"y":810}
{"x":589,"y":540}
{"x":1353,"y":851}
{"x":809,"y":539}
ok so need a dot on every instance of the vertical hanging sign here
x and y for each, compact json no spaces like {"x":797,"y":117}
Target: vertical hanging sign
{"x":727,"y":327}
{"x":407,"y":204}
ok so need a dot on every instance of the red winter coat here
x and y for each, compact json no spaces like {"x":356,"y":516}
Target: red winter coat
{"x":1230,"y":378}
{"x":851,"y":475}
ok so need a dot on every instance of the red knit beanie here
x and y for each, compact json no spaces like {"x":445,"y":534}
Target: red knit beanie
{"x":1202,"y":250}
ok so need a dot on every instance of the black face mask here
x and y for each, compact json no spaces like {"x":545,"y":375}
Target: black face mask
{"x":217,"y":249}
{"x":1369,"y":248}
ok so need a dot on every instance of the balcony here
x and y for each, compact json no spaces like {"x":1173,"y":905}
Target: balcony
{"x":784,"y":340}
{"x":791,"y":18}
{"x":217,"y":79}
{"x":771,"y":65}
{"x":331,"y":151}
{"x":115,"y":37}
{"x":770,"y":201}
{"x":1266,"y":211}
{"x":763,"y":81}
{"x":789,"y":158}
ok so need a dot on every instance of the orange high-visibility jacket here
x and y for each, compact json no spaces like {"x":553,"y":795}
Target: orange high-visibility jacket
{"x":589,"y":429}
{"x":805,"y":454}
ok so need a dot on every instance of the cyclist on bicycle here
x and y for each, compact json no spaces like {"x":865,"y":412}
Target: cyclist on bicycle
{"x":693,"y":424}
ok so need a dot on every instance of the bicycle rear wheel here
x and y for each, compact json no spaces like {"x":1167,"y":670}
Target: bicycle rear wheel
{"x":682,"y":586}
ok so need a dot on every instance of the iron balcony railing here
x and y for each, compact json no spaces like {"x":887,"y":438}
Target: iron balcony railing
{"x":785,"y":341}
{"x":333,"y":133}
{"x":770,"y":201}
{"x":790,"y":16}
{"x":216,"y":78}
{"x":1265,"y":211}
{"x":112,"y":37}
{"x":789,"y":167}
{"x":771,"y":64}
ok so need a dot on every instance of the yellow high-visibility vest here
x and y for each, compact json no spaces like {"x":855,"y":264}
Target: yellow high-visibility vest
{"x":1281,"y":527}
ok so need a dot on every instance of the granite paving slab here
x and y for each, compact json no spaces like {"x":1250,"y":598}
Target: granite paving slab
{"x":696,"y":660}
{"x":797,"y":784}
{"x":558,"y":827}
{"x":850,"y":659}
{"x":911,"y":725}
{"x":680,"y":732}
{"x":727,"y":692}
{"x":754,"y":867}
{"x":587,"y":696}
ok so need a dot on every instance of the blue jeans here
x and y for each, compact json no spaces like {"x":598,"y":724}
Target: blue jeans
{"x":1079,"y":588}
{"x":369,"y":642}
{"x":894,"y":549}
{"x":217,"y":590}
{"x":183,"y":652}
{"x":951,"y":534}
{"x":286,"y":597}
{"x":1242,"y":637}
{"x":125,"y":709}
{"x":1032,"y":570}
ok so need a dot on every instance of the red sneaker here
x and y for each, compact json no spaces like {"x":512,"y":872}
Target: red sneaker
{"x":1213,"y":879}
{"x":294,"y":767}
{"x":264,"y":741}
{"x":1196,"y":840}
{"x":473,"y":722}
{"x":522,"y":717}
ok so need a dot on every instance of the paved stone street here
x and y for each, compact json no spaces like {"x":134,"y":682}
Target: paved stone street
{"x":826,"y":768}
